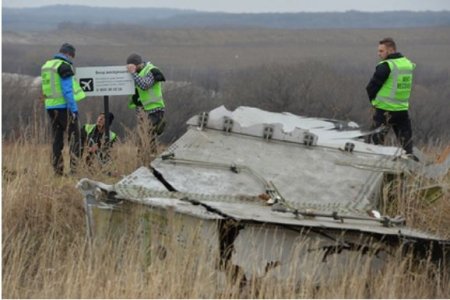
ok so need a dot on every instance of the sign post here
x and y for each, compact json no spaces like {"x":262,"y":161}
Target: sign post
{"x":105,"y":81}
{"x":106,"y":111}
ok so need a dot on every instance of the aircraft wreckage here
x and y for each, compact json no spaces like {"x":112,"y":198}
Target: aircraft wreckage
{"x":260,"y":184}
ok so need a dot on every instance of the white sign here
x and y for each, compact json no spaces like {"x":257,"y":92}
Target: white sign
{"x":105,"y":81}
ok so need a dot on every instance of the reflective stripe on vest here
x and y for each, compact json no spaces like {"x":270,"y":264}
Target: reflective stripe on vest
{"x":51,"y":84}
{"x":89,"y":128}
{"x":151,"y":98}
{"x":395,"y":93}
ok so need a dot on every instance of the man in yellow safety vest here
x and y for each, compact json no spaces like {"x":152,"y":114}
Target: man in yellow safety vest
{"x":389,"y":91}
{"x":148,"y":99}
{"x":61,"y":92}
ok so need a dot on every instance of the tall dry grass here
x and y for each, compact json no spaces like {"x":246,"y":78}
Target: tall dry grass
{"x":46,"y":254}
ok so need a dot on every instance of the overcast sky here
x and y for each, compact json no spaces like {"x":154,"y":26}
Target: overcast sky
{"x":253,"y":5}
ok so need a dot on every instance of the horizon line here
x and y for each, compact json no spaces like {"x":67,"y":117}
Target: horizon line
{"x":225,"y":12}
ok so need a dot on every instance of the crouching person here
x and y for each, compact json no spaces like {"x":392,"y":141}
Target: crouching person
{"x":93,"y":140}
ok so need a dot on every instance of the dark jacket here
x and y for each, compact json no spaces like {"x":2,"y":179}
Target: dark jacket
{"x":380,"y":76}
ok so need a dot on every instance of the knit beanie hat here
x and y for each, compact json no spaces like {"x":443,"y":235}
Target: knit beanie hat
{"x":68,"y":49}
{"x":134,"y":59}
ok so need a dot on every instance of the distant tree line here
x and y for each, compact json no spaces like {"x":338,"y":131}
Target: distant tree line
{"x":50,"y":17}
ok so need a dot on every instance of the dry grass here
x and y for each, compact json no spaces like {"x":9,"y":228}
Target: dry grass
{"x":45,"y":252}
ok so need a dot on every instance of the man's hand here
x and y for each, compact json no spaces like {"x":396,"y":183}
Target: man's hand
{"x":131,"y":68}
{"x":74,"y":115}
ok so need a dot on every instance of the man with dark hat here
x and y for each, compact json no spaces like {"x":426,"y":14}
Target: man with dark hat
{"x":148,"y":98}
{"x":61,"y":92}
{"x":93,"y":138}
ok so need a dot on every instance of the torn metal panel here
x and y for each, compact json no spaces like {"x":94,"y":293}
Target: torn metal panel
{"x":246,"y":208}
{"x":253,"y":238}
{"x":320,"y":175}
{"x":281,"y":183}
{"x":318,"y":178}
{"x":305,"y":254}
{"x":290,"y":128}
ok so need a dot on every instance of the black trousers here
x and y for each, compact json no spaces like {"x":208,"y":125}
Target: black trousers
{"x":157,"y":121}
{"x":156,"y":125}
{"x":400,"y":123}
{"x":60,"y":121}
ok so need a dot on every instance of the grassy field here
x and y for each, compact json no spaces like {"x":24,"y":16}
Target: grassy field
{"x":45,"y":250}
{"x":46,"y":254}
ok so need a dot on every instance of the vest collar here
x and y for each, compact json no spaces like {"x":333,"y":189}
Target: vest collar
{"x":63,"y":57}
{"x":394,"y":55}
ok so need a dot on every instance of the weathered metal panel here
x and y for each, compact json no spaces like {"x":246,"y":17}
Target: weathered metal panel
{"x":319,"y":178}
{"x":285,"y":193}
{"x":305,"y":254}
{"x":239,"y":208}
